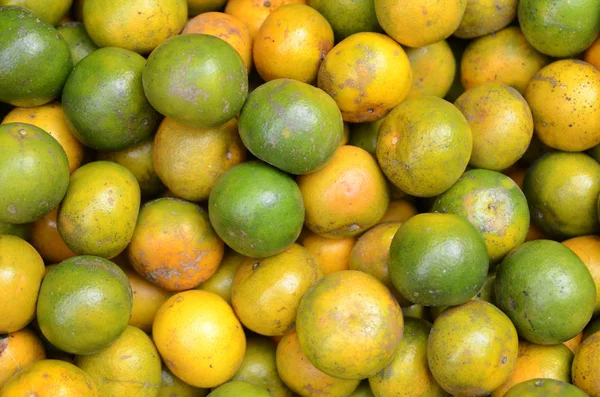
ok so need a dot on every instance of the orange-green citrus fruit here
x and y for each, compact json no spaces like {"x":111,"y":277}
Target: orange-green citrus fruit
{"x":438,"y":260}
{"x":84,"y":304}
{"x":292,"y":125}
{"x":196,"y":79}
{"x":104,"y":100}
{"x":35,"y":60}
{"x":538,"y":285}
{"x":34,"y":172}
{"x":256,"y":209}
{"x":560,"y":28}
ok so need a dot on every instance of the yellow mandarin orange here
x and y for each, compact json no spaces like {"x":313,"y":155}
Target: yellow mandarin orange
{"x":433,"y":67}
{"x":347,"y":196}
{"x":17,"y":350}
{"x":304,"y":378}
{"x":587,"y":249}
{"x":266,"y":292}
{"x":585,"y":373}
{"x":399,"y":211}
{"x":199,"y":338}
{"x":417,"y":23}
{"x":174,"y":245}
{"x":536,"y":361}
{"x":367,"y":74}
{"x":291,"y":43}
{"x":371,"y":255}
{"x":135,"y":26}
{"x":50,"y":378}
{"x":333,"y":254}
{"x":592,"y":54}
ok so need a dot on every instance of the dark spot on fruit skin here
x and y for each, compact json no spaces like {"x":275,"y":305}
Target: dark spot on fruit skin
{"x":512,"y":303}
{"x":267,"y":3}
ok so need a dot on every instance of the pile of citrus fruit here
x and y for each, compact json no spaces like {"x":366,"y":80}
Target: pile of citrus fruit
{"x":328,"y":198}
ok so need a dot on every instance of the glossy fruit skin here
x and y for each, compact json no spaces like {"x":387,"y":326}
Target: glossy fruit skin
{"x":129,"y":367}
{"x":564,"y":215}
{"x":408,"y":374}
{"x":424,"y":165}
{"x":367,"y":74}
{"x":485,"y":17}
{"x":304,"y":378}
{"x":564,"y":98}
{"x":138,"y":27}
{"x":239,"y":388}
{"x":501,"y":124}
{"x":173,"y":245}
{"x":266,"y":292}
{"x":472,"y":349}
{"x":34,"y":170}
{"x":147,"y":299}
{"x":587,"y":249}
{"x":592,"y":54}
{"x":50,"y":378}
{"x":84,"y":304}
{"x":256,"y":219}
{"x":291,"y":43}
{"x":292,"y":125}
{"x":186,"y":81}
{"x":538,"y":361}
{"x":419,"y":23}
{"x":349,"y":325}
{"x":101,"y":204}
{"x":438,"y":260}
{"x":347,"y":196}
{"x":504,"y":57}
{"x":371,"y":255}
{"x":199,"y":338}
{"x":584,"y":370}
{"x":332,"y":254}
{"x":17,"y":350}
{"x":35,"y":76}
{"x":46,"y":239}
{"x":433,"y":68}
{"x":254,"y":12}
{"x":104,"y":101}
{"x":538,"y":284}
{"x":544,"y":388}
{"x":560,"y":28}
{"x":260,"y":368}
{"x":78,"y":40}
{"x":494,"y":204}
{"x":20,"y":280}
{"x":51,"y":118}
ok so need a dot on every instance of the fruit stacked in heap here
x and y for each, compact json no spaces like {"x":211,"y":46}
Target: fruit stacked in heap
{"x":288,"y":197}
